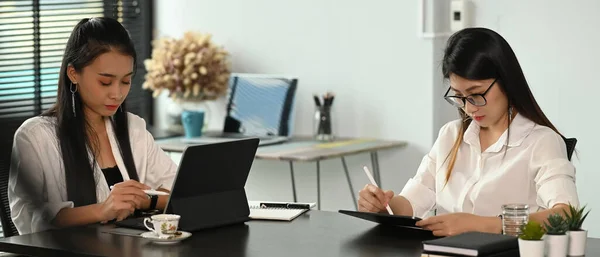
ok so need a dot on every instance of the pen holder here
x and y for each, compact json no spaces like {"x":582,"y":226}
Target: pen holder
{"x":323,"y":130}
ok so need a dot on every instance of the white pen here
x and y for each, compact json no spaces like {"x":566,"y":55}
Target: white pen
{"x":374,"y":183}
{"x":150,"y":192}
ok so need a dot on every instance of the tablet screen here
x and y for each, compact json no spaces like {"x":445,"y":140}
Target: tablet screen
{"x":385,"y":219}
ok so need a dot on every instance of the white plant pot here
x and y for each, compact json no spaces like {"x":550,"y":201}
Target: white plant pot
{"x":556,"y":245}
{"x":577,"y":241}
{"x":531,"y":248}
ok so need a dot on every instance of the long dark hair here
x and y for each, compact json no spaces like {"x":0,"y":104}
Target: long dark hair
{"x":478,"y":54}
{"x":89,"y":39}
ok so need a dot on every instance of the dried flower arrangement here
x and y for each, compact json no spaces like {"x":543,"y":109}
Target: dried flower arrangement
{"x":192,"y":68}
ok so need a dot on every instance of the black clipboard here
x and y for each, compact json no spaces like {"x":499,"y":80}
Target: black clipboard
{"x":385,"y":219}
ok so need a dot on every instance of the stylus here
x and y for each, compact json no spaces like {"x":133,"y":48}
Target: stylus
{"x":374,"y":183}
{"x":150,"y":192}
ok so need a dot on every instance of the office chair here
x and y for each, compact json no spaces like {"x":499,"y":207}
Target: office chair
{"x":570,"y":142}
{"x":6,"y":142}
{"x":260,"y":105}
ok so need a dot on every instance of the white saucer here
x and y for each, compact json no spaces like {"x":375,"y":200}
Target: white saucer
{"x":173,"y":239}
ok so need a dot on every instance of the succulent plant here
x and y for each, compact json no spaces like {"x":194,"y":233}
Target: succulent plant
{"x":532,"y":231}
{"x":575,"y":217}
{"x":556,"y":225}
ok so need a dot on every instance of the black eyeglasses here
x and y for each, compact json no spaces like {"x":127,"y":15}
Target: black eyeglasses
{"x":474,"y":99}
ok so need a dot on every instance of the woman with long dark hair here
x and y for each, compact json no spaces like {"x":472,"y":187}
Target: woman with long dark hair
{"x":65,"y":161}
{"x":503,"y":150}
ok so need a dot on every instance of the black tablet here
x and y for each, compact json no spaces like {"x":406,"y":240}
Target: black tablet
{"x":385,"y":219}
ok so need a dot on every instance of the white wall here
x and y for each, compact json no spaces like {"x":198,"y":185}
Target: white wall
{"x":558,"y":45}
{"x":442,"y":111}
{"x":368,"y":53}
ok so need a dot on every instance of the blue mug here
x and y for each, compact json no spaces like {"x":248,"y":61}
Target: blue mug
{"x":193,"y":123}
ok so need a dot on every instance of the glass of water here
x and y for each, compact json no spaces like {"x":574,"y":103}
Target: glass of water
{"x":515,"y":215}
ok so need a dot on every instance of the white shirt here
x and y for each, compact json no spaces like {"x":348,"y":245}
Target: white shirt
{"x":37,"y":188}
{"x":535,"y":171}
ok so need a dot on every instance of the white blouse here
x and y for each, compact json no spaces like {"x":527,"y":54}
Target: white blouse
{"x":37,"y":189}
{"x":534,"y":171}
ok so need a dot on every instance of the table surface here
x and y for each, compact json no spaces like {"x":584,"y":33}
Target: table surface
{"x":162,"y":133}
{"x":303,"y":148}
{"x":315,"y":233}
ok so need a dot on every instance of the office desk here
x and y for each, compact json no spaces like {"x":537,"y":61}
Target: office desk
{"x":162,"y":133}
{"x":305,"y":149}
{"x":313,"y":234}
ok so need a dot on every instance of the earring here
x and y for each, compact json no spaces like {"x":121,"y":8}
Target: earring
{"x":73,"y":97}
{"x":510,"y":110}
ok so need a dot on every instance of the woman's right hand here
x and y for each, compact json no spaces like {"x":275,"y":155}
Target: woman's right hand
{"x":373,"y":199}
{"x":124,"y":198}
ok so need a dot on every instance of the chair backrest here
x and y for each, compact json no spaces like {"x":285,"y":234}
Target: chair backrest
{"x":260,"y":105}
{"x":6,"y":141}
{"x":570,"y":142}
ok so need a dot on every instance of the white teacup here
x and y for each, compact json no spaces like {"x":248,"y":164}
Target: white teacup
{"x":164,"y":224}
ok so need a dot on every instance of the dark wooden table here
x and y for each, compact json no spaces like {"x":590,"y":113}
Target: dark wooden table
{"x":315,"y":233}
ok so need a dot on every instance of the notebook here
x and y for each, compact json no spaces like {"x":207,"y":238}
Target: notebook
{"x":472,"y":244}
{"x":509,"y":253}
{"x":263,"y":210}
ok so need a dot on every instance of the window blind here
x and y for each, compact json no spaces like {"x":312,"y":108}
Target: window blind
{"x":33,"y":35}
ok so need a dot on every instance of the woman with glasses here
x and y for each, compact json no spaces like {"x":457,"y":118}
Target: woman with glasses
{"x":503,"y":149}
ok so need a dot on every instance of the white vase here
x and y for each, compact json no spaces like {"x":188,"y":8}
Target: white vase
{"x":173,"y":117}
{"x":556,"y":245}
{"x":531,"y":248}
{"x":577,"y":242}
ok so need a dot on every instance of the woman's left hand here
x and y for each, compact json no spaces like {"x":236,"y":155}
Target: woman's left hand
{"x":458,"y":223}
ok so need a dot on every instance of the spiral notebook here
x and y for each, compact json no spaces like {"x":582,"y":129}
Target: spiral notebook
{"x":263,"y":210}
